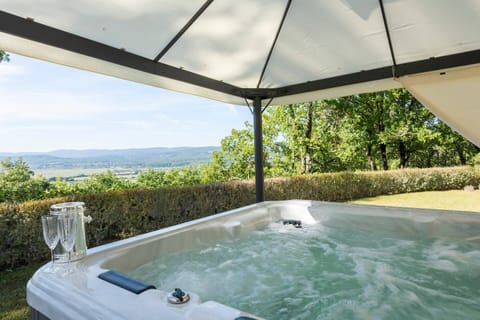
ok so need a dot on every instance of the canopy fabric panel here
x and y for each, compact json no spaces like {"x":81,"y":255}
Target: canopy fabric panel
{"x":69,"y":58}
{"x":278,"y":51}
{"x":230,"y":41}
{"x":452,"y":96}
{"x":324,"y":39}
{"x":142,"y":27}
{"x":421,"y":29}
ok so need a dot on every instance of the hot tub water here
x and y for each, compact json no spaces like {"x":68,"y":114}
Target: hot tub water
{"x":318,"y":272}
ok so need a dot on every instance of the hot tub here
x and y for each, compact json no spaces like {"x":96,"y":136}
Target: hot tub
{"x":295,"y":260}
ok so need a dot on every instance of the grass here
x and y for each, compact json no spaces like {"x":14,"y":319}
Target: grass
{"x":13,"y":303}
{"x":446,"y":200}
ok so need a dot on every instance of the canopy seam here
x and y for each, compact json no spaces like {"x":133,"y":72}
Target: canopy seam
{"x":183,"y":30}
{"x":389,"y":39}
{"x":287,"y":7}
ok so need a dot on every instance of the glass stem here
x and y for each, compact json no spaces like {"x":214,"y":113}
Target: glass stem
{"x":69,"y":260}
{"x":53,"y":258}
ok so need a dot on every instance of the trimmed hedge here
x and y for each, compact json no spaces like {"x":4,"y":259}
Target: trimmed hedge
{"x":343,"y":186}
{"x":120,"y":214}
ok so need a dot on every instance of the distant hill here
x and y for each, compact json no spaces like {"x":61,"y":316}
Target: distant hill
{"x":126,"y":158}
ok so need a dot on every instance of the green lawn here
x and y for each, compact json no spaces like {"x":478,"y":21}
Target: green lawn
{"x":13,"y":305}
{"x":448,"y":200}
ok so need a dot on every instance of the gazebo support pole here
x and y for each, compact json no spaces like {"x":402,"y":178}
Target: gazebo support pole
{"x":258,"y":147}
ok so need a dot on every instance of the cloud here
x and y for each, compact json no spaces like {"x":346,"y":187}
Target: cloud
{"x":142,"y":125}
{"x":233,"y":109}
{"x":46,"y":107}
{"x":7,"y":71}
{"x":43,"y":105}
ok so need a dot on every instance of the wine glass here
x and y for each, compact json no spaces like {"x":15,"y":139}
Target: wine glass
{"x":50,"y":235}
{"x":67,"y":230}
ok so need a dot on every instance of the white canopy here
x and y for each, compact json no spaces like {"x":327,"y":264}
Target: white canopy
{"x":278,"y":51}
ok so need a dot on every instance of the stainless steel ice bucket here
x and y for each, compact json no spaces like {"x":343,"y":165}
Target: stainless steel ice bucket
{"x":80,"y":248}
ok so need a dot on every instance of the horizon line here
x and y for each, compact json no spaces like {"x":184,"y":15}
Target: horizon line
{"x":106,"y":149}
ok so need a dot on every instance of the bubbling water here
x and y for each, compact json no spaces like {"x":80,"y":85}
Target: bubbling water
{"x":324,"y":273}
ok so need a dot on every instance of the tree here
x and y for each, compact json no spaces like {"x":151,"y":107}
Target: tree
{"x":151,"y":178}
{"x":388,"y":129}
{"x":104,"y":182}
{"x":216,"y":171}
{"x":303,"y":138}
{"x":236,"y":154}
{"x":18,"y":184}
{"x":449,"y":148}
{"x":365,"y":119}
{"x":396,"y":130}
{"x":4,"y":56}
{"x":411,"y":127}
{"x":182,"y":176}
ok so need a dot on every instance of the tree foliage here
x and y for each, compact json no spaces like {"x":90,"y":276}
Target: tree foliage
{"x":4,"y":56}
{"x":152,"y":178}
{"x":373,"y":131}
{"x":18,"y":184}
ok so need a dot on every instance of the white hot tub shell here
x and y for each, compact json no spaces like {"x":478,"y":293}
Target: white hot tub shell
{"x":82,"y":295}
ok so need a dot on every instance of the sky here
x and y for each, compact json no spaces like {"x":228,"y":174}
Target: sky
{"x":44,"y":107}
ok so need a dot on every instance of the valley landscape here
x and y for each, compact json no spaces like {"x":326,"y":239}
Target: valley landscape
{"x":73,"y":165}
